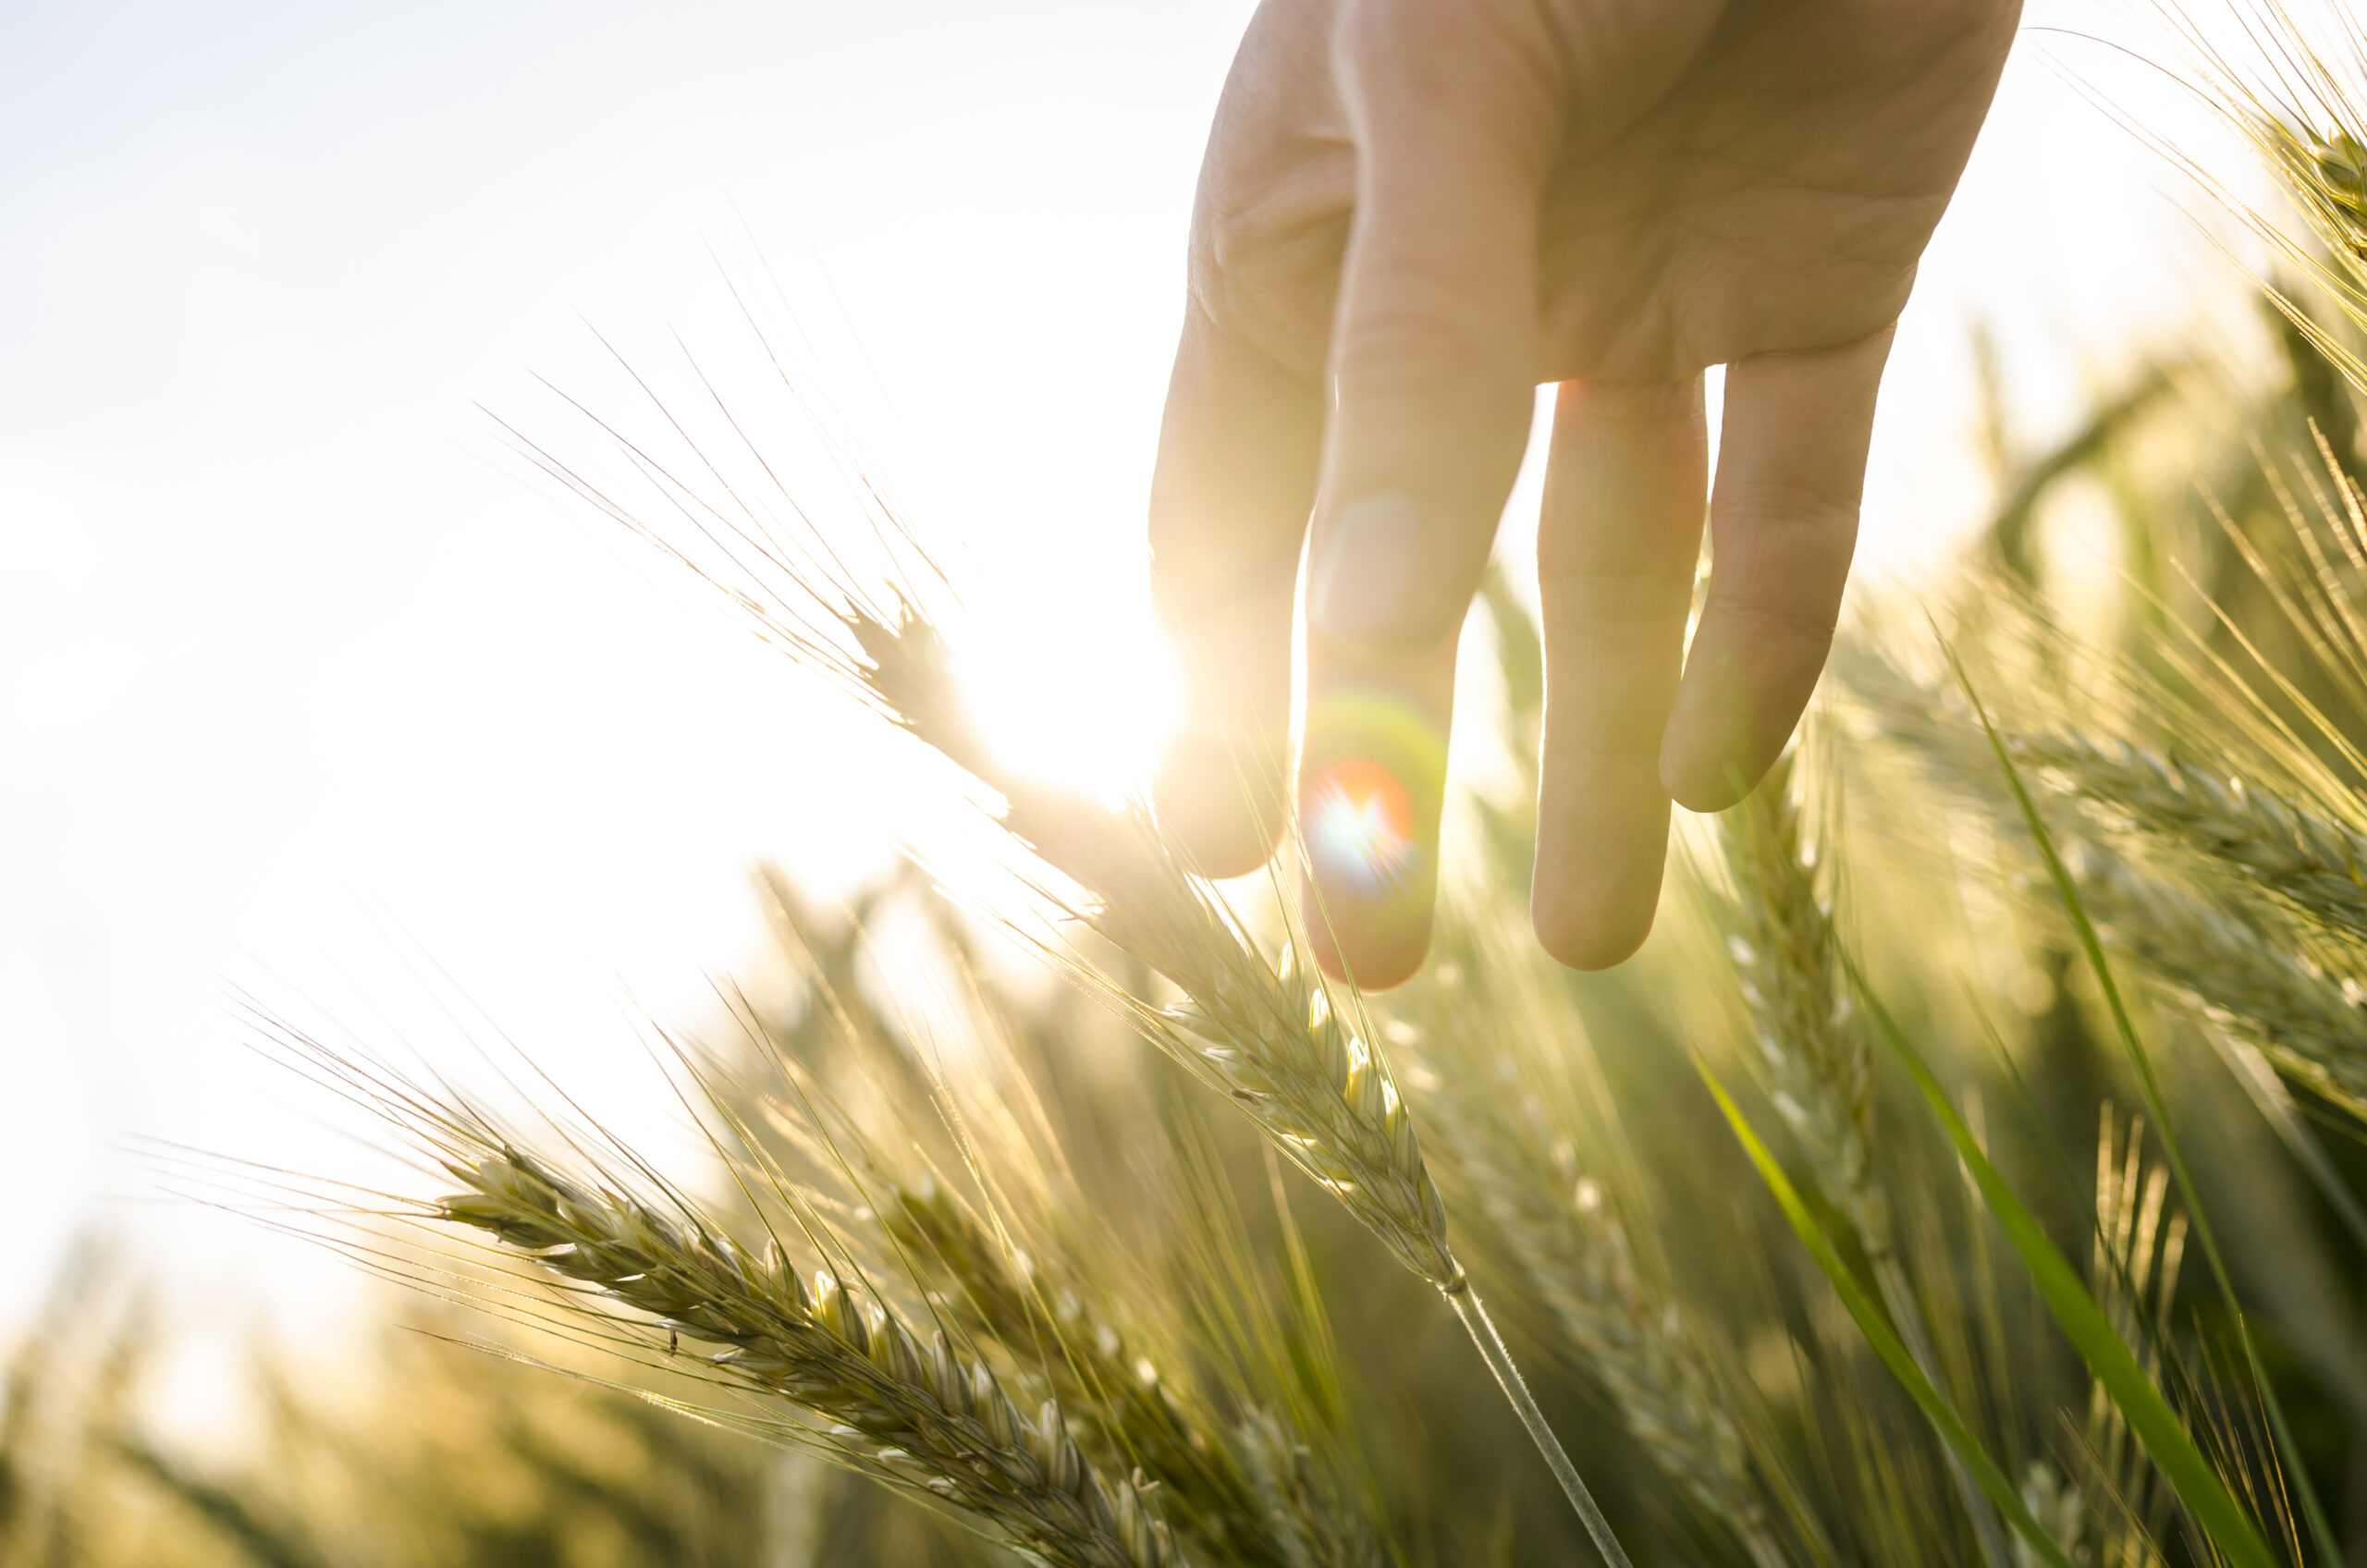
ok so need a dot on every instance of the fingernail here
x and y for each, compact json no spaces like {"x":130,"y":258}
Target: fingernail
{"x":1376,"y":582}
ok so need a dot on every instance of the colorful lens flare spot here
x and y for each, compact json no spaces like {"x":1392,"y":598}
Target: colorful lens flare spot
{"x":1360,"y":828}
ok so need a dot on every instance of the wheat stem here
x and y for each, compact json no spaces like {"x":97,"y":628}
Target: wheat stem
{"x":1559,"y":1229}
{"x":1482,"y":1329}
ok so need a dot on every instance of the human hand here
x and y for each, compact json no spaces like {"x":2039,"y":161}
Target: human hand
{"x":1411,"y":213}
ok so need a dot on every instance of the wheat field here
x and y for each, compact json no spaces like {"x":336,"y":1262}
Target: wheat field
{"x":1971,"y":1172}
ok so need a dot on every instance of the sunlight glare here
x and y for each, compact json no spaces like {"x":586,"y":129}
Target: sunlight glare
{"x":1083,"y":699}
{"x":1360,"y":830}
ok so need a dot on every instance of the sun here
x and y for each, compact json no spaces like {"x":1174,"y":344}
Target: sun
{"x":1081,"y":698}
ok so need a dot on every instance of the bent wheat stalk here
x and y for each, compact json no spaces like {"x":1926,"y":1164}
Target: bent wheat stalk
{"x":1267,"y":1038}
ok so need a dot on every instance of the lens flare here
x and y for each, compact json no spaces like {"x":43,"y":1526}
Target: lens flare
{"x":1360,"y":828}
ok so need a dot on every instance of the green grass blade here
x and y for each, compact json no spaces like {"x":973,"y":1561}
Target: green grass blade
{"x":2149,"y":1085}
{"x":2156,"y":1423}
{"x":1884,"y":1338}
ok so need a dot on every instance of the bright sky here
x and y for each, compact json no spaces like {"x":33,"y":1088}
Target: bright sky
{"x":308,"y":687}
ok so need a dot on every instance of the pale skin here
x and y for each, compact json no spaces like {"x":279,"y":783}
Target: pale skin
{"x":1414,"y":213}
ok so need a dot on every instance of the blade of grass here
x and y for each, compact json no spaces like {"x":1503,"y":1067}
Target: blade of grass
{"x":1884,"y":1338}
{"x":2149,"y":1085}
{"x":2157,"y":1425}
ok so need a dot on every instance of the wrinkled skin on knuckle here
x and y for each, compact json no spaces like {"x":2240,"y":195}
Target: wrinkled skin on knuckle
{"x":1406,"y":367}
{"x":1426,"y":338}
{"x":1733,"y":180}
{"x":1270,"y":219}
{"x":1266,"y":270}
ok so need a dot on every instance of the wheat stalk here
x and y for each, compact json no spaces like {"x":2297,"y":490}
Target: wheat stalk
{"x":1821,"y":1068}
{"x":1560,"y":1231}
{"x":927,"y":1416}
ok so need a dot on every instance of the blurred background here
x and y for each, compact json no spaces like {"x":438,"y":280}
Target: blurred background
{"x":312,"y":690}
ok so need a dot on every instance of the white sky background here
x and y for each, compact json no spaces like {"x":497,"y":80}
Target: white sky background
{"x":306,"y":685}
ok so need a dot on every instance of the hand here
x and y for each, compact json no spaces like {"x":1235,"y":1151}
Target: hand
{"x":1411,"y":214}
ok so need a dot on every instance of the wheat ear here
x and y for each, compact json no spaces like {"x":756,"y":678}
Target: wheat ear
{"x":1783,"y":947}
{"x":2242,"y":975}
{"x":1110,"y":1391}
{"x":2312,"y":861}
{"x":1266,"y":1037}
{"x":2315,"y":864}
{"x":924,"y":1415}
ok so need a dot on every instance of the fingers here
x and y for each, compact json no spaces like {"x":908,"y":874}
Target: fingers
{"x":1782,"y":523}
{"x":1433,"y":373}
{"x":1618,"y":544}
{"x":1230,"y":498}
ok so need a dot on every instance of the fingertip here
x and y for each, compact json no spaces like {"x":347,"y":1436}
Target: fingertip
{"x":1582,"y":928}
{"x":1371,"y":786}
{"x":1602,"y":846}
{"x":1728,"y":725}
{"x":1709,"y":779}
{"x":1371,"y":955}
{"x":1220,"y":805}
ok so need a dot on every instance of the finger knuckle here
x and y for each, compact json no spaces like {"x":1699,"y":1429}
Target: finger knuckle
{"x":1768,"y":619}
{"x":1425,"y":339}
